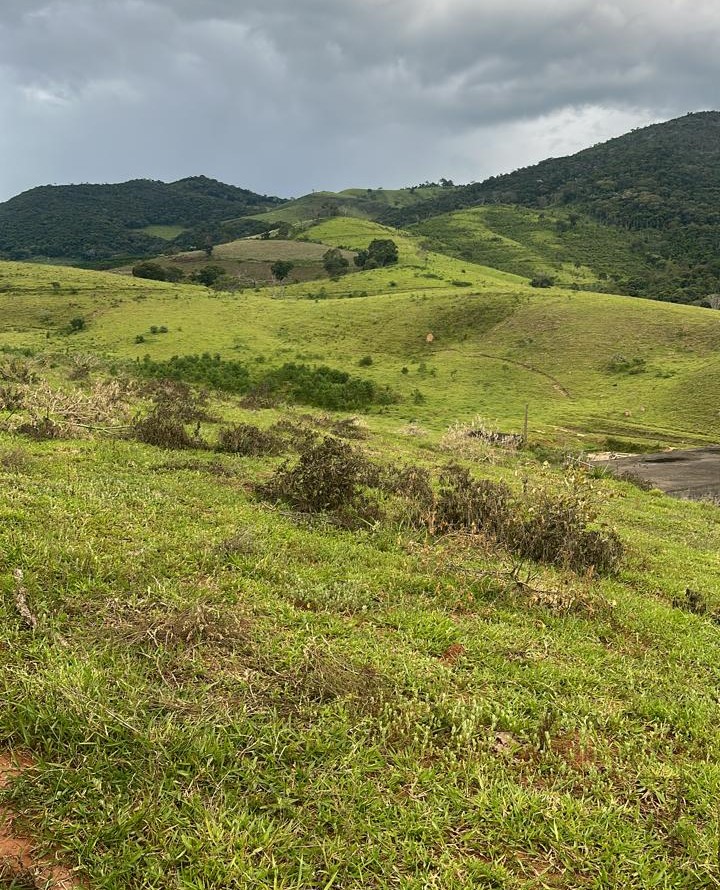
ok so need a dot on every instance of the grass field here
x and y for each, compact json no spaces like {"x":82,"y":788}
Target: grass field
{"x":220,"y":692}
{"x":250,"y":260}
{"x":567,"y":246}
{"x":360,"y":203}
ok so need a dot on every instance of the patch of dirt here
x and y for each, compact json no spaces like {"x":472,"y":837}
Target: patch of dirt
{"x":20,"y":865}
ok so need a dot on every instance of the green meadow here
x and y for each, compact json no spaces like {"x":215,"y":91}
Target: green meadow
{"x":219,"y":688}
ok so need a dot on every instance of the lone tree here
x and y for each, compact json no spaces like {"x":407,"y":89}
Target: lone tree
{"x":281,"y":269}
{"x":335,"y":263}
{"x":380,"y":252}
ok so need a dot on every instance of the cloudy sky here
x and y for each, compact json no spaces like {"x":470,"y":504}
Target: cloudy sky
{"x":286,"y":96}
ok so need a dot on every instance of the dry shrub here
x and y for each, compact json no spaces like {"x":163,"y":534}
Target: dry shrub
{"x":478,"y":441}
{"x":323,"y":677}
{"x":45,"y":412}
{"x":474,"y":505}
{"x":328,"y":476}
{"x":296,"y":434}
{"x":214,"y":467}
{"x":242,"y":543}
{"x":15,"y":460}
{"x":41,"y":429}
{"x":11,"y":398}
{"x":180,"y":399}
{"x":82,"y":366}
{"x":543,"y":527}
{"x":17,"y":370}
{"x":249,"y":440}
{"x":349,"y":428}
{"x":555,"y":530}
{"x":185,"y":628}
{"x":164,"y":429}
{"x":413,"y":485}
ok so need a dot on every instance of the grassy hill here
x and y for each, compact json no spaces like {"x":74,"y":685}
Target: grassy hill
{"x":571,"y":248}
{"x":659,"y":184}
{"x":95,"y":222}
{"x":362,"y":203}
{"x":250,"y":260}
{"x":591,"y":366}
{"x":380,"y":685}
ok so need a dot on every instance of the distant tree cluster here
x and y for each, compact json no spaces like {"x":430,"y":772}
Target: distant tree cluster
{"x":157,"y":272}
{"x":380,"y":253}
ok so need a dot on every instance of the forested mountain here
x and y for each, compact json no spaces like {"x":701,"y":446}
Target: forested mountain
{"x":90,"y":222}
{"x":661,"y":184}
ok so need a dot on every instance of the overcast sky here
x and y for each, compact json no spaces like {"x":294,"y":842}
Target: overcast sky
{"x":287,"y":96}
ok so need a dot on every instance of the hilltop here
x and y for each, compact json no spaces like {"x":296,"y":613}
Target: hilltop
{"x":137,"y":218}
{"x":659,"y":186}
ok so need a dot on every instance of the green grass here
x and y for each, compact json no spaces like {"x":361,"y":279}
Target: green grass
{"x":169,"y":233}
{"x":361,"y":203}
{"x":250,"y":260}
{"x":221,"y":693}
{"x":568,"y":246}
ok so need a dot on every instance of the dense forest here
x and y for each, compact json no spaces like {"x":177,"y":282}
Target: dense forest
{"x":660,"y":184}
{"x":94,"y":222}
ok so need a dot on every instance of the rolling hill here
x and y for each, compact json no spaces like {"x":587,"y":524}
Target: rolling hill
{"x":593,"y":367}
{"x":137,"y":218}
{"x":659,"y":186}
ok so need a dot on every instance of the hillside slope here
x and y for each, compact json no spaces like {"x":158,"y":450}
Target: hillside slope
{"x":97,"y":221}
{"x":592,"y":367}
{"x":205,"y":685}
{"x":660,"y":184}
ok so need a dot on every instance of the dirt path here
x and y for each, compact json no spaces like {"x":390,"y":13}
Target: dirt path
{"x":19,"y":862}
{"x":693,"y":473}
{"x":518,"y":364}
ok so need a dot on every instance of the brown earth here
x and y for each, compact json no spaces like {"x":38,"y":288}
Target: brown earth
{"x":20,"y":865}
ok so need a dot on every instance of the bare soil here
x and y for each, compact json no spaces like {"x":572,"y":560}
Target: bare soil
{"x":20,"y":865}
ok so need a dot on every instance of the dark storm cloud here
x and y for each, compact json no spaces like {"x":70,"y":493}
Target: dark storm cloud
{"x":287,"y":95}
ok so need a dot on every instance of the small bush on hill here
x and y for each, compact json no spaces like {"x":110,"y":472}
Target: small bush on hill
{"x":327,"y":476}
{"x":325,"y":387}
{"x":164,"y":429}
{"x":249,"y":440}
{"x":150,"y":270}
{"x":542,"y":281}
{"x":207,"y":369}
{"x":620,"y":364}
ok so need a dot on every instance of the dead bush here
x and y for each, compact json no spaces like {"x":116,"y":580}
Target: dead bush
{"x":186,"y":628}
{"x":413,"y":485}
{"x":324,"y":677}
{"x":295,"y":433}
{"x":15,"y":460}
{"x":249,"y":440}
{"x":327,"y":476}
{"x":544,"y":527}
{"x":17,"y":370}
{"x":41,"y":429}
{"x":164,"y":429}
{"x":180,"y":399}
{"x":474,"y":505}
{"x":556,"y":531}
{"x":349,"y":428}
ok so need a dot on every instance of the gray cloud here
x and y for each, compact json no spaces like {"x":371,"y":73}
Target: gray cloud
{"x":289,"y":95}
